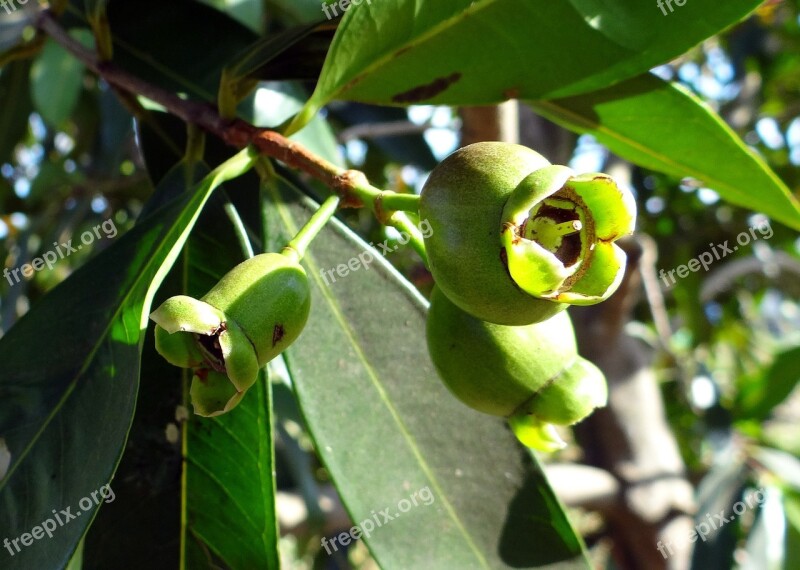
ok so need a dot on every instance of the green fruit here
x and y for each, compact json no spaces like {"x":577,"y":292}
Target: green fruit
{"x":249,"y":317}
{"x":513,"y":238}
{"x":531,"y":374}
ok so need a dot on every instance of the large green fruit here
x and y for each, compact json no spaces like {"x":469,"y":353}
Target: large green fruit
{"x":531,"y":374}
{"x":513,"y":238}
{"x":249,"y":317}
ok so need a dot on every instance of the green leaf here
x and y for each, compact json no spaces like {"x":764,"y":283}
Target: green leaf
{"x":266,"y":49}
{"x":230,"y":489}
{"x":229,"y":456}
{"x":389,"y":432}
{"x":759,"y":395}
{"x":232,"y":455}
{"x":300,"y":11}
{"x":791,"y":508}
{"x":71,"y":374}
{"x":661,"y":126}
{"x":15,"y":106}
{"x":181,"y":45}
{"x":57,"y":78}
{"x":464,"y":52}
{"x":142,"y":524}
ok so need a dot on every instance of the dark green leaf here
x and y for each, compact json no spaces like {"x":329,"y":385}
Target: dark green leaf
{"x":661,"y":126}
{"x":142,"y":525}
{"x":761,"y":393}
{"x":230,"y":455}
{"x":57,"y":79}
{"x":15,"y":106}
{"x":229,"y":460}
{"x":791,"y":507}
{"x":181,"y":45}
{"x":389,"y":432}
{"x":267,"y":49}
{"x":71,"y":373}
{"x":298,"y":11}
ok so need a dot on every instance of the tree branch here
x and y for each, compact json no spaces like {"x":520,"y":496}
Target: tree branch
{"x":351,"y":185}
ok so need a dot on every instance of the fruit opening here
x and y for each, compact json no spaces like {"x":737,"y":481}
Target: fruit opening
{"x":556,"y":225}
{"x":211,"y":349}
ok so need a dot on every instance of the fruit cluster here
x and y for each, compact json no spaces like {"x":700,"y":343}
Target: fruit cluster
{"x":514,"y":241}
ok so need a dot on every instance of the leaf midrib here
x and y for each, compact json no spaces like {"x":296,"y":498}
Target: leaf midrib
{"x":411,"y":441}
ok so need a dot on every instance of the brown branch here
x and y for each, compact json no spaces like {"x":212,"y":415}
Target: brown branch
{"x":234,"y":132}
{"x":631,"y":438}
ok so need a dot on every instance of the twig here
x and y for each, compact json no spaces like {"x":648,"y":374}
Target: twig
{"x":378,"y":130}
{"x":350,"y":185}
{"x":652,"y":290}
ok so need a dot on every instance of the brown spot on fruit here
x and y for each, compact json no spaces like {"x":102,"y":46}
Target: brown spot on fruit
{"x":427,"y":91}
{"x":202,"y":375}
{"x":277,"y":334}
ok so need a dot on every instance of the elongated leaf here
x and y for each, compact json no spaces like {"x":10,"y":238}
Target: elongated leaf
{"x":193,"y":42}
{"x":71,"y":373}
{"x":15,"y":106}
{"x":761,"y":394}
{"x":394,"y":439}
{"x":791,"y":508}
{"x":229,"y":488}
{"x":463,"y":52}
{"x":228,"y":457}
{"x":661,"y":126}
{"x":56,"y":80}
{"x":298,"y":10}
{"x":142,"y":524}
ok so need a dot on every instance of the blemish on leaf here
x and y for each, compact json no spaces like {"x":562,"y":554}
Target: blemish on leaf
{"x":277,"y":334}
{"x":427,"y":91}
{"x":401,"y":51}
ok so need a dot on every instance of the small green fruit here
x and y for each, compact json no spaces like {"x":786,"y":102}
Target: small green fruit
{"x":531,"y":374}
{"x":514,"y":238}
{"x":249,"y":317}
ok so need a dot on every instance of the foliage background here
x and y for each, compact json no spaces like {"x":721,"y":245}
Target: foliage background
{"x":721,"y":347}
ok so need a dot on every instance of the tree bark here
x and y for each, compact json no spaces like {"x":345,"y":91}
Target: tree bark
{"x":631,"y":438}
